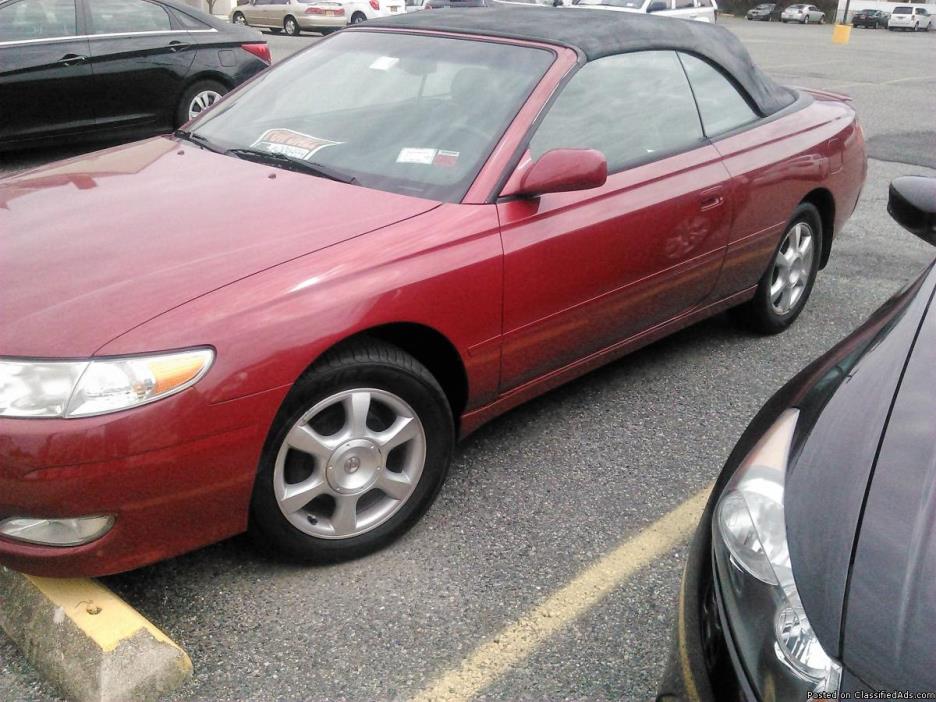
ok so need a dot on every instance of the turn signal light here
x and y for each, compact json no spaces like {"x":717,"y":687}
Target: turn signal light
{"x":261,"y":51}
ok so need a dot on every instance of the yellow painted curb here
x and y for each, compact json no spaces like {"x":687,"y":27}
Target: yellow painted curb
{"x":87,"y":641}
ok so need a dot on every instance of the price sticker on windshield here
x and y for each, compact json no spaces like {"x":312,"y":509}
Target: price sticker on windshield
{"x":292,"y":144}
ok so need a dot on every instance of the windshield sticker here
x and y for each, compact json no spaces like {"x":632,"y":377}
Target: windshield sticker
{"x":446,"y":158}
{"x":411,"y":155}
{"x":292,"y":144}
{"x":384,"y":63}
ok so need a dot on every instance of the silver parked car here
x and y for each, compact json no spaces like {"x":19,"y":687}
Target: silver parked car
{"x":804,"y":14}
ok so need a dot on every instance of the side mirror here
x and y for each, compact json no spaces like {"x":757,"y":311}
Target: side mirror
{"x":656,"y":6}
{"x":563,"y":170}
{"x":912,"y":203}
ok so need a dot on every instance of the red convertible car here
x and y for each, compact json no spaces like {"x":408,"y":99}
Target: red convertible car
{"x":280,"y":318}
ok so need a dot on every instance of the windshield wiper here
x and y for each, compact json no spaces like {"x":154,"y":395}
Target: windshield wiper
{"x":203,"y":142}
{"x":290,"y":163}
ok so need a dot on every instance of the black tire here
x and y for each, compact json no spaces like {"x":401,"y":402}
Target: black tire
{"x":358,"y":17}
{"x":201,"y":86}
{"x":291,"y":26}
{"x":239,"y":18}
{"x":758,"y":313}
{"x":376,"y":365}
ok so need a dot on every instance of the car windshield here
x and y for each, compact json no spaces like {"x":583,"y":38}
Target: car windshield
{"x":903,"y":11}
{"x":764,"y":7}
{"x":410,"y":114}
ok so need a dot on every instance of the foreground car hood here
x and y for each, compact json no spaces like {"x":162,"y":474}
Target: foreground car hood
{"x":94,"y":246}
{"x":844,"y":405}
{"x":891,"y":608}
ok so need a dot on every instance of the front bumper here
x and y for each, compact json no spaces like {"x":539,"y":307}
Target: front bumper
{"x":175,"y":475}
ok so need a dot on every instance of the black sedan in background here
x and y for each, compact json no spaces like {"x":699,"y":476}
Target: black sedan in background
{"x":870,"y":18}
{"x":114,"y":68}
{"x":814,"y":567}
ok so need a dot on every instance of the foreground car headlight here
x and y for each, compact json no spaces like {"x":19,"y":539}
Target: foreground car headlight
{"x":773,"y":636}
{"x":56,"y":532}
{"x":85,"y":388}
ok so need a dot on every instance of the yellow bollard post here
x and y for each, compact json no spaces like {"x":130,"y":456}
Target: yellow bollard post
{"x":841,"y":34}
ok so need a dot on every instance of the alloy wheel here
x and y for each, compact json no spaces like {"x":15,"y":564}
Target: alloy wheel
{"x":349,"y":463}
{"x":792,"y":268}
{"x":202,"y":101}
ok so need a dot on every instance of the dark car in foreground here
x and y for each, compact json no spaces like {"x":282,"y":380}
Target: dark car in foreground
{"x":765,"y":12}
{"x":282,"y":317}
{"x":870,"y":19}
{"x":814,"y":567}
{"x":94,"y":69}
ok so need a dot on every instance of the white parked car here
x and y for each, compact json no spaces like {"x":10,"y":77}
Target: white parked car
{"x":700,"y":10}
{"x":804,"y":14}
{"x":325,"y":16}
{"x":906,"y":17}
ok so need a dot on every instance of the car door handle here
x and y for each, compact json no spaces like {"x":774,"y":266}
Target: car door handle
{"x":711,"y":198}
{"x":176,"y":45}
{"x":71,"y":59}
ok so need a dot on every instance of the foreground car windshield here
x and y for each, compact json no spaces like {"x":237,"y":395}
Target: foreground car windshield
{"x":411,"y":114}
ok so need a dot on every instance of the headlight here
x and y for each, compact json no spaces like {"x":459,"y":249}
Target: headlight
{"x":85,"y":388}
{"x":774,"y":638}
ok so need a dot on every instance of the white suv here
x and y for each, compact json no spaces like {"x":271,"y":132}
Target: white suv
{"x":699,"y":10}
{"x":905,"y":17}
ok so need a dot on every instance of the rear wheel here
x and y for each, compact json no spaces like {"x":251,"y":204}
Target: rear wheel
{"x":198,"y":98}
{"x":822,"y":19}
{"x":359,"y":451}
{"x":291,"y":26}
{"x":239,"y":18}
{"x":358,"y":17}
{"x":786,"y":284}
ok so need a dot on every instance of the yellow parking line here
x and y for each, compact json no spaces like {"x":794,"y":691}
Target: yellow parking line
{"x":516,"y":642}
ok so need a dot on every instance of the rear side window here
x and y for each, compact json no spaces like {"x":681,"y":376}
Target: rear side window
{"x":189,"y":22}
{"x":630,"y":107}
{"x":38,"y":19}
{"x":127,"y":16}
{"x":721,"y":106}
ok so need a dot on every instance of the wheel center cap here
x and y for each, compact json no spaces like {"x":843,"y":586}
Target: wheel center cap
{"x":354,"y":466}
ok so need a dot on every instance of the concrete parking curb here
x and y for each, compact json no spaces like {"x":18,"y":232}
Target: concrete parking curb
{"x":87,"y":641}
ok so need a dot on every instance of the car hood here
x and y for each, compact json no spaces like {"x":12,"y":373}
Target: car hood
{"x":844,"y":399}
{"x":891,"y":607}
{"x":94,"y":246}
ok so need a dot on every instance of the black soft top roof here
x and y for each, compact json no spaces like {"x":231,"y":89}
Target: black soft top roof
{"x":598,"y":33}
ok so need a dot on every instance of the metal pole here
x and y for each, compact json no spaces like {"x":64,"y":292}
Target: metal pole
{"x":845,"y":15}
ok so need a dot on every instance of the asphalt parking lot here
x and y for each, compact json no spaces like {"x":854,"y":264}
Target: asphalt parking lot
{"x":538,"y":495}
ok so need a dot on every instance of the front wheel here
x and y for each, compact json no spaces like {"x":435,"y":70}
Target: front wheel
{"x":358,"y":452}
{"x":358,"y":17}
{"x":239,"y":18}
{"x":786,"y":284}
{"x":822,"y":19}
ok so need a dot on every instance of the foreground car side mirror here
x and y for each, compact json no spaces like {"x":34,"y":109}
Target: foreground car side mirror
{"x":562,"y":170}
{"x":912,"y":203}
